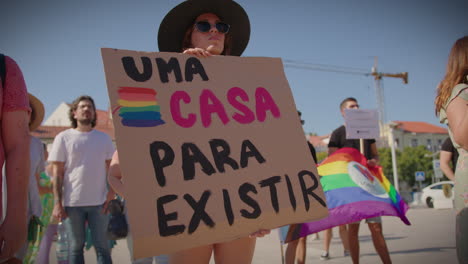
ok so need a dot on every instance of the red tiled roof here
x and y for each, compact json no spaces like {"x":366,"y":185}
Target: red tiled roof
{"x":420,"y":127}
{"x":104,"y":124}
{"x":49,"y":132}
{"x":103,"y":118}
{"x":44,"y":132}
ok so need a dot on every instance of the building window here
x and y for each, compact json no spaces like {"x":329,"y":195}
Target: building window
{"x":414,"y":142}
{"x":439,"y":144}
{"x":429,"y":144}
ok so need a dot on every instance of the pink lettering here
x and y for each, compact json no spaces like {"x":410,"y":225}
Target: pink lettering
{"x":175,"y":109}
{"x":263,"y":103}
{"x":248,"y":116}
{"x":207,"y":108}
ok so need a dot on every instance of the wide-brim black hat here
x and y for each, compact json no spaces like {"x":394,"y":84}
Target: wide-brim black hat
{"x":180,"y":18}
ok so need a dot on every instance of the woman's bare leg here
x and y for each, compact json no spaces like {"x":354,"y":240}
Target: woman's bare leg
{"x":234,"y":252}
{"x":291,"y":248}
{"x":301,"y":250}
{"x":198,"y":255}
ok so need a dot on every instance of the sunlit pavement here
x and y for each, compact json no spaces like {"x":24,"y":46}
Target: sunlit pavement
{"x":430,"y":239}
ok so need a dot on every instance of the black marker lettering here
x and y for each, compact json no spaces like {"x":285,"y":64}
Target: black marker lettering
{"x":160,"y":162}
{"x":309,"y":191}
{"x":165,"y":68}
{"x":199,"y":211}
{"x":133,"y":72}
{"x":164,"y":229}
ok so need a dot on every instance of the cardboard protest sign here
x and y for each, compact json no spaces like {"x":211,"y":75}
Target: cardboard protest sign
{"x":211,"y":149}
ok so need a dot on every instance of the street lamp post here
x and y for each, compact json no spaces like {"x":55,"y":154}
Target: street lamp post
{"x":433,"y":156}
{"x":392,"y":125}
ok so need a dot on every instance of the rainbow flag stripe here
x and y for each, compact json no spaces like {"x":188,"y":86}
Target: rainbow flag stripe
{"x":138,"y":107}
{"x":354,"y":191}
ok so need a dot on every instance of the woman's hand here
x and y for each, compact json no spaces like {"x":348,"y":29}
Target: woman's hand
{"x":199,"y":52}
{"x":260,"y":233}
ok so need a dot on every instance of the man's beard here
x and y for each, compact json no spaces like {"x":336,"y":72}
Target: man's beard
{"x":85,"y":122}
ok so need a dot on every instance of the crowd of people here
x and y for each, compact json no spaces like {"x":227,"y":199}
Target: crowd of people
{"x":75,"y":181}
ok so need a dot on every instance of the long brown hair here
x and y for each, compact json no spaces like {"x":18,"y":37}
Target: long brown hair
{"x":457,"y":70}
{"x":187,"y":42}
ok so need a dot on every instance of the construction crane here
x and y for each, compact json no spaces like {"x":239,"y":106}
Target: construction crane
{"x":380,"y":93}
{"x":356,"y":71}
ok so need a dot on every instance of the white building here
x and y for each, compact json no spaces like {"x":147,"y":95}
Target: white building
{"x":413,"y":134}
{"x":59,"y":117}
{"x":406,"y":134}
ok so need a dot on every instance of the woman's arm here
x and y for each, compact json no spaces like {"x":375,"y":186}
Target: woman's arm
{"x":445,"y":158}
{"x":457,"y":114}
{"x":114,"y":176}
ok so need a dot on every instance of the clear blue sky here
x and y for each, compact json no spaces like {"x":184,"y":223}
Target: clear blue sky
{"x":57,"y":44}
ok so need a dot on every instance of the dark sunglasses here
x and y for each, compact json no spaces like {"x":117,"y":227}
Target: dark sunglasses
{"x":204,"y":26}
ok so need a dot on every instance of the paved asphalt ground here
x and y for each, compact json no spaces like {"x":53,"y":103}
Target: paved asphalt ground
{"x":430,"y":239}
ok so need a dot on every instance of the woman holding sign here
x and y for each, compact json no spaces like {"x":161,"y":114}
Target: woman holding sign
{"x":204,"y":28}
{"x":452,"y":108}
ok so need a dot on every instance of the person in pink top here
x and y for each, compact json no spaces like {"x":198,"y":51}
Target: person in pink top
{"x":14,"y":155}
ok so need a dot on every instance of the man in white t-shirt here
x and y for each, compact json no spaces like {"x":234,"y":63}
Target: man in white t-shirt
{"x":80,"y":157}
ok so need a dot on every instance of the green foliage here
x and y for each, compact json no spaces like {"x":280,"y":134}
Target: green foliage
{"x":321,"y":156}
{"x":385,"y":160}
{"x":412,"y":160}
{"x":409,"y":161}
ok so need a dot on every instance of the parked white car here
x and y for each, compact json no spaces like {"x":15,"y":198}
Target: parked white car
{"x":440,"y":193}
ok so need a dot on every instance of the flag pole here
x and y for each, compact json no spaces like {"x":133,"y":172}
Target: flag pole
{"x":361,"y":146}
{"x":282,"y":253}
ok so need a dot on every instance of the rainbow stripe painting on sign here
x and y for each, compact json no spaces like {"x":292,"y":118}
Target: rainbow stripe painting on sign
{"x":138,"y":107}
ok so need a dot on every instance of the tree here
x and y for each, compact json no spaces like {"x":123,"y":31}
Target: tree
{"x":321,"y":156}
{"x":412,"y":160}
{"x":409,"y":161}
{"x":385,"y":160}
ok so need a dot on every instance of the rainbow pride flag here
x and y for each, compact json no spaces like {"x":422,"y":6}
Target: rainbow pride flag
{"x":138,"y":107}
{"x":354,"y":191}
